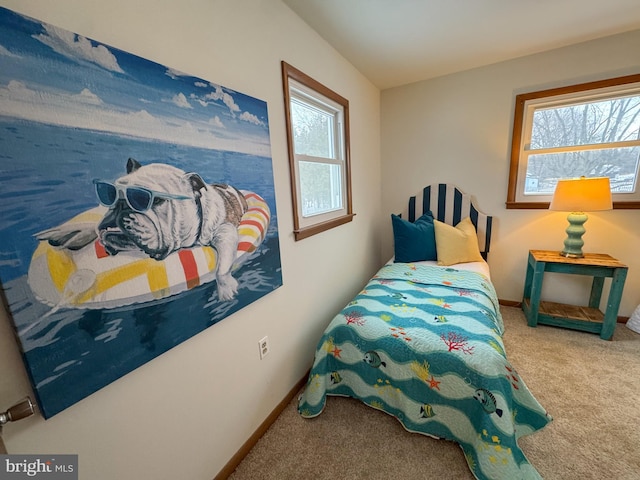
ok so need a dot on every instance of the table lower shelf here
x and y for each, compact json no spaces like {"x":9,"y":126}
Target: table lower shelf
{"x":586,"y":319}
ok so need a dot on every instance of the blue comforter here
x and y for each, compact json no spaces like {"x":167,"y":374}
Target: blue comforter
{"x":424,"y":344}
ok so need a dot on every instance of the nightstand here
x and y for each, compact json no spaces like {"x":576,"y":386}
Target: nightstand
{"x":586,"y":318}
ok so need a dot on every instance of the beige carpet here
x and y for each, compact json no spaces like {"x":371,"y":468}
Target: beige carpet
{"x":591,"y":387}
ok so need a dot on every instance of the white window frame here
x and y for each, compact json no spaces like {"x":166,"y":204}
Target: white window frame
{"x":527,"y":104}
{"x":298,"y":87}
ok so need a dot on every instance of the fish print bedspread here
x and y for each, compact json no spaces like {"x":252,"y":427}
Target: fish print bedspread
{"x":424,"y":344}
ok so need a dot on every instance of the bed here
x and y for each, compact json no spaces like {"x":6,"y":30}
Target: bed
{"x":423,"y":342}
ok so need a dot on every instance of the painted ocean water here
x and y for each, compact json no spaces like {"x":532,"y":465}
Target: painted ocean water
{"x":46,"y":175}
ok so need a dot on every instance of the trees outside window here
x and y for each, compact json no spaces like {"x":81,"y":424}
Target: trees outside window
{"x":318,"y":142}
{"x":590,"y":130}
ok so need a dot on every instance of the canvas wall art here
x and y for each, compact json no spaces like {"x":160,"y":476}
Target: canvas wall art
{"x":137,"y":207}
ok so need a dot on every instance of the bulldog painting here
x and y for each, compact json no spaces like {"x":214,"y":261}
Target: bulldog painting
{"x":159,"y":209}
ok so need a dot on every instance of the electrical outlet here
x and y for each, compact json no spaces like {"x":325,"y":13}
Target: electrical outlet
{"x":264,"y":347}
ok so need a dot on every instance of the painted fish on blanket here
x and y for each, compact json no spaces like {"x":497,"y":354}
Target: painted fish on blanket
{"x":487,"y":400}
{"x":372,"y":358}
{"x":426,"y":411}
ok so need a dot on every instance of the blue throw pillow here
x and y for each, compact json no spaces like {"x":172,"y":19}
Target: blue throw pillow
{"x":414,"y":242}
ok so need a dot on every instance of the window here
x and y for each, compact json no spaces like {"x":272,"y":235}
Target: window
{"x":318,"y":140}
{"x":590,"y":130}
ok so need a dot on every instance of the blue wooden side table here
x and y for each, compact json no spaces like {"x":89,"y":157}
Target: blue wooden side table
{"x":586,"y":318}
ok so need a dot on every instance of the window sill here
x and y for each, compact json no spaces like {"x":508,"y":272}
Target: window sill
{"x":306,"y":232}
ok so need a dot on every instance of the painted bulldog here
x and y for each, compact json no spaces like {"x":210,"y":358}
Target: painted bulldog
{"x":159,"y":209}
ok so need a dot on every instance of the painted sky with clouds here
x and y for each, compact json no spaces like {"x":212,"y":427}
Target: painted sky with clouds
{"x":54,"y":76}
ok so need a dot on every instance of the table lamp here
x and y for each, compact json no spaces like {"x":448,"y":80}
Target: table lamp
{"x":578,"y":196}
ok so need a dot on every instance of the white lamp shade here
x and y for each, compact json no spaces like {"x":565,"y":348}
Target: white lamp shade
{"x":582,"y":195}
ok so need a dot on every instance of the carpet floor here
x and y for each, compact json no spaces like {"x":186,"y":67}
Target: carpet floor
{"x":591,"y":387}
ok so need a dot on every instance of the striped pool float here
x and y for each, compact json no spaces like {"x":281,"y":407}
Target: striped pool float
{"x":90,"y":278}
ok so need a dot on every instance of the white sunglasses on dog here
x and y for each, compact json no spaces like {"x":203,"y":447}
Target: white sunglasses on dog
{"x":139,"y":199}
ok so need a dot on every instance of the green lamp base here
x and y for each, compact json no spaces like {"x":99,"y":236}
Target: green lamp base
{"x":573,"y":243}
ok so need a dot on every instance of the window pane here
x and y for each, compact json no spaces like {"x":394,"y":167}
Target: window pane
{"x":606,"y":121}
{"x":590,"y":129}
{"x":320,"y":187}
{"x":312,"y":130}
{"x":619,"y":164}
{"x":318,"y":144}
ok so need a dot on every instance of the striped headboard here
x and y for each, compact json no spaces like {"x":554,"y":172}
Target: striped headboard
{"x":450,"y":205}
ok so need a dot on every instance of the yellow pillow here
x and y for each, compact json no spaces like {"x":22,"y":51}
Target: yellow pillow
{"x":457,"y":244}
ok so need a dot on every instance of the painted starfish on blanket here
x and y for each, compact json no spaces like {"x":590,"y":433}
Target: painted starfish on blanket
{"x":441,"y":302}
{"x":433,"y":383}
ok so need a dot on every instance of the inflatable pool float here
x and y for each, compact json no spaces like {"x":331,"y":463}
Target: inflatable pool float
{"x":90,"y":278}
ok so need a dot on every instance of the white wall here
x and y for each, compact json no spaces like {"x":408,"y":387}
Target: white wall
{"x":457,"y":129}
{"x":184,"y":414}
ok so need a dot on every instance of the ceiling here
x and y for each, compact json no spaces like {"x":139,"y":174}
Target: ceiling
{"x":395,"y":42}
